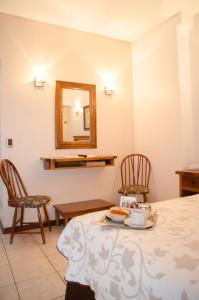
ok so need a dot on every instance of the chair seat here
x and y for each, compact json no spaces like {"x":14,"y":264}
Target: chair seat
{"x":133,"y":189}
{"x":33,"y":201}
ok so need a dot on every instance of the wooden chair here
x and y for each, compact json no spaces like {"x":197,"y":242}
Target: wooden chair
{"x":135,"y":174}
{"x":19,"y":199}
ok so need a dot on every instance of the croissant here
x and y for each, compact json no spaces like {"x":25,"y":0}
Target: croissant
{"x":119,"y":212}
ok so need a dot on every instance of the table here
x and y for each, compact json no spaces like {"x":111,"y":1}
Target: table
{"x":124,"y":263}
{"x":73,"y":162}
{"x":188,"y":182}
{"x":70,"y":210}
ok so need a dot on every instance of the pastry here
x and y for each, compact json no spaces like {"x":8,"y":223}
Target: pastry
{"x":119,"y":212}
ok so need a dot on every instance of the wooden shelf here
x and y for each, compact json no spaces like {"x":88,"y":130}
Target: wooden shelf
{"x":72,"y":162}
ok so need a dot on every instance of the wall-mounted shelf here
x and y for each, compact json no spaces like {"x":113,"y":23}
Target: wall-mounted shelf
{"x":71,"y":162}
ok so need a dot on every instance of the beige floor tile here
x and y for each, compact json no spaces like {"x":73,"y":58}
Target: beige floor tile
{"x":49,"y":239}
{"x":1,"y":246}
{"x":9,"y":292}
{"x":55,"y":230}
{"x":49,"y":248}
{"x":6,"y":277}
{"x":62,"y":273}
{"x":19,"y":241}
{"x":58,"y":261}
{"x":17,"y":236}
{"x":31,"y":269}
{"x":3,"y":259}
{"x":42,"y":288}
{"x":24,"y":254}
{"x":51,"y":236}
{"x":60,"y":298}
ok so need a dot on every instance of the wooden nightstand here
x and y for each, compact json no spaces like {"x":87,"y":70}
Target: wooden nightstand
{"x":188,"y":182}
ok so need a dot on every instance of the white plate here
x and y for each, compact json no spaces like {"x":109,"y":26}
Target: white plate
{"x":114,"y":218}
{"x":148,"y":225}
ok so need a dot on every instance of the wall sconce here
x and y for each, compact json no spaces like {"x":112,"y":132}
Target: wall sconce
{"x":108,"y":91}
{"x":38,"y":82}
{"x":78,"y":110}
{"x":108,"y":80}
{"x":39,"y":75}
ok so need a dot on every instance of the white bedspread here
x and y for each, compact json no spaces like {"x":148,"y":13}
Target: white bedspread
{"x":161,"y":263}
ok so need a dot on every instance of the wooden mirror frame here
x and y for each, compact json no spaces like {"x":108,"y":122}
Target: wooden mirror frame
{"x":60,"y":143}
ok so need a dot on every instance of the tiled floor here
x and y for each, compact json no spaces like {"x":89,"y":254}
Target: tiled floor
{"x":30,"y":270}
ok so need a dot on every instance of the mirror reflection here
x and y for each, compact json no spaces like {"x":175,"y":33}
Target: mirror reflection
{"x":75,"y":115}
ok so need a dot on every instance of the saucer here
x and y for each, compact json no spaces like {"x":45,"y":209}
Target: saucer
{"x":149,"y":224}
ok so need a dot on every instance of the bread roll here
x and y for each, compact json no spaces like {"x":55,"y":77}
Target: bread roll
{"x":119,"y":212}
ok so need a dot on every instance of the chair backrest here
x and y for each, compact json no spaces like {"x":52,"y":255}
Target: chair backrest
{"x":12,"y":180}
{"x":135,"y":170}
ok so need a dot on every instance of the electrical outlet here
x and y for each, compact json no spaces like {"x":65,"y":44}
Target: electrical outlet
{"x":9,"y":142}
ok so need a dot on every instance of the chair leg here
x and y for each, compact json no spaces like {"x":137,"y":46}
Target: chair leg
{"x":145,"y":198}
{"x":41,"y":225}
{"x":13,"y":225}
{"x":47,"y":217}
{"x":21,"y":219}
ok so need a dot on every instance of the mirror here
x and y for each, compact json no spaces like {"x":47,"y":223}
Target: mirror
{"x":75,"y":114}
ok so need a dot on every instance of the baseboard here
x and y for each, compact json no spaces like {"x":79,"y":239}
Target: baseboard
{"x":32,"y":225}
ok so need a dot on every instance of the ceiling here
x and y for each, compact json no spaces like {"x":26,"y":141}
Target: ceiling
{"x":121,"y":19}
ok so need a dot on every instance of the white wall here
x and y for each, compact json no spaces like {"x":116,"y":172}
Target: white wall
{"x":163,"y":125}
{"x":28,"y":113}
{"x":194,"y":45}
{"x":1,"y":192}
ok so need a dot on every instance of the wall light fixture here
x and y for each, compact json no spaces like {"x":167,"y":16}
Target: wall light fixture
{"x":78,"y":109}
{"x":38,"y":82}
{"x":109,"y":84}
{"x":39,"y":76}
{"x":108,"y":91}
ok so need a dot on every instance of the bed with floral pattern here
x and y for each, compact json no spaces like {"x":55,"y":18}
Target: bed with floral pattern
{"x":160,"y":263}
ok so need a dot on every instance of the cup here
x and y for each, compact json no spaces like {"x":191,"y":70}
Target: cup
{"x":146,"y":206}
{"x":139,"y":216}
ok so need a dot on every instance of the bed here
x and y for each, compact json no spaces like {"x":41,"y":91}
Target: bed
{"x":160,"y":263}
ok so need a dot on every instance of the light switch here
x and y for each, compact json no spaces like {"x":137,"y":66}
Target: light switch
{"x":9,"y":142}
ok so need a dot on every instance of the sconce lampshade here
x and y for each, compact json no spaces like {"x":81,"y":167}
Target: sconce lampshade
{"x":38,"y":82}
{"x":108,"y":91}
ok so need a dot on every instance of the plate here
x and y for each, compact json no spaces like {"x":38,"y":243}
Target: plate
{"x":148,"y":225}
{"x":115,"y":219}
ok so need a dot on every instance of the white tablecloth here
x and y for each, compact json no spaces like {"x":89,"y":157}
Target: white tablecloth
{"x":161,"y":263}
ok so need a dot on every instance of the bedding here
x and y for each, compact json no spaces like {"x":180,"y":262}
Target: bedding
{"x":160,"y":263}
